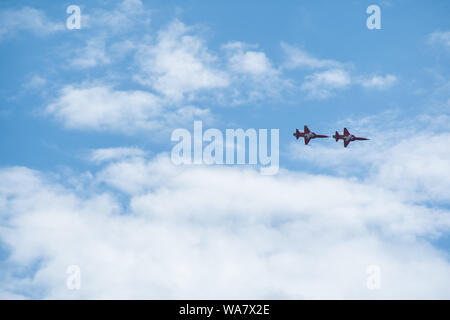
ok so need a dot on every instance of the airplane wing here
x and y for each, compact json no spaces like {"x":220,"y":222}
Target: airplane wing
{"x":346,"y":133}
{"x":307,"y":140}
{"x":306,"y":130}
{"x":346,"y":142}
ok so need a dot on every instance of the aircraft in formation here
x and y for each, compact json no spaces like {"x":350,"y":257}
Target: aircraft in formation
{"x":347,"y":137}
{"x":307,"y":134}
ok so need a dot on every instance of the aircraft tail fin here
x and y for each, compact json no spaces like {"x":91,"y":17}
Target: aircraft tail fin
{"x":336,"y":136}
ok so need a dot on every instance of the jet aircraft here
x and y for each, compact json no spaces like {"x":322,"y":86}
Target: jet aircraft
{"x":347,"y":137}
{"x":307,"y":134}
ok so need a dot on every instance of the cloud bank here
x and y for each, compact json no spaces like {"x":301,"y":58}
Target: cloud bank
{"x":216,"y":232}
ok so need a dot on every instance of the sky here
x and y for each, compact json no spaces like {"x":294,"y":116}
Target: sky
{"x":87,"y":180}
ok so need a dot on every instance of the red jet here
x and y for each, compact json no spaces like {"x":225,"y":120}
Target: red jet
{"x":307,"y":134}
{"x":347,"y":137}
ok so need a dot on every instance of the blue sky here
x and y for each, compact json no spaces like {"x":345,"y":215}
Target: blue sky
{"x":86,"y":117}
{"x":399,"y":49}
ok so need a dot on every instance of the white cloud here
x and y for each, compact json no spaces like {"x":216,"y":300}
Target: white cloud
{"x":122,"y":48}
{"x":93,"y":54}
{"x":127,"y":15}
{"x":322,"y":84}
{"x":109,"y":34}
{"x":35,"y":82}
{"x":135,"y":176}
{"x":179,"y":64}
{"x":334,"y":75}
{"x":107,"y":154}
{"x":418,"y":167}
{"x":216,"y":232}
{"x":101,"y":108}
{"x":252,"y":62}
{"x":379,"y":82}
{"x":26,"y":19}
{"x":253,"y":76}
{"x":298,"y":58}
{"x":440,"y":37}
